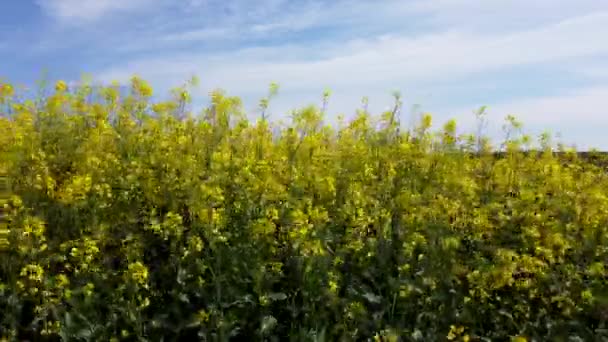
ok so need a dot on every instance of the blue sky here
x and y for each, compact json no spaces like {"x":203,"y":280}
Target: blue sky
{"x":543,"y":61}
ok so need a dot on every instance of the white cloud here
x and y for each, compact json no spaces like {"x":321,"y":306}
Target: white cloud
{"x":502,"y":14}
{"x":397,"y":60}
{"x":199,"y":34}
{"x":78,"y":11}
{"x":595,"y":71}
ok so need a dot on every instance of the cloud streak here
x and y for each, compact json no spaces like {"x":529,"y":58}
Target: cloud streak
{"x":385,"y":59}
{"x":86,"y":11}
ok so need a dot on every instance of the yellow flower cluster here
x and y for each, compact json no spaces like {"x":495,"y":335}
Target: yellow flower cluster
{"x":127,"y":219}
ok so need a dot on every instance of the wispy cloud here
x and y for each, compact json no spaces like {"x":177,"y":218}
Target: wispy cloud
{"x":85,"y":11}
{"x":384,"y":59}
{"x":595,"y":71}
{"x":197,"y":35}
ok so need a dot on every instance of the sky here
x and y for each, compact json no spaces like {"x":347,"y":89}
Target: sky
{"x":543,"y":61}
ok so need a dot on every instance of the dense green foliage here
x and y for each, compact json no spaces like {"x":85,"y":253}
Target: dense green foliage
{"x":136,"y":221}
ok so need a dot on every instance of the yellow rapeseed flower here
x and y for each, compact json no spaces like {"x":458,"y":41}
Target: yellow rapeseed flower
{"x":6,"y":90}
{"x":61,"y":86}
{"x":138,"y":272}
